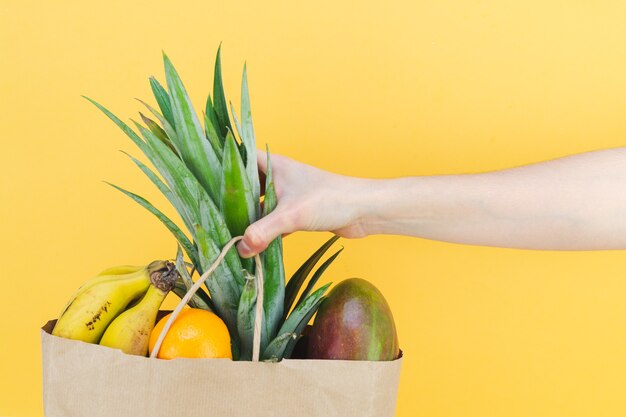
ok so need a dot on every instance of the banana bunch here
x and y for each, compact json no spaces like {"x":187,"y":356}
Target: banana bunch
{"x":98,"y":312}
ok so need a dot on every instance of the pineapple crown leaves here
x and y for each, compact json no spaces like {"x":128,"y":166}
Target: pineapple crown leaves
{"x":198,"y":300}
{"x":208,"y":172}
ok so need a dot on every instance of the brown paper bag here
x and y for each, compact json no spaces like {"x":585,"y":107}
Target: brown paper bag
{"x":86,"y":380}
{"x":82,"y":379}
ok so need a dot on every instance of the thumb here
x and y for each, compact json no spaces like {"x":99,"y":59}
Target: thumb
{"x":261,"y":233}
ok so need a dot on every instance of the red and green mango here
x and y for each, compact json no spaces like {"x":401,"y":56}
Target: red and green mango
{"x":354,"y":322}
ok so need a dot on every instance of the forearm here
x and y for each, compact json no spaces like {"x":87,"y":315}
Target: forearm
{"x":573,"y":203}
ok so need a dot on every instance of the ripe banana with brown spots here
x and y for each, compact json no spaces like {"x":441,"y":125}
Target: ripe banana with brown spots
{"x":101,"y":299}
{"x":130,"y":331}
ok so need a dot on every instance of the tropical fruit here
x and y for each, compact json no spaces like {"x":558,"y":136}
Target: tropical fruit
{"x":206,"y":167}
{"x":101,"y":299}
{"x":354,"y":322}
{"x":130,"y":331}
{"x":195,"y":333}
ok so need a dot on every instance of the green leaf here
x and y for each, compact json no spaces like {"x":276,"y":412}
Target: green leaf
{"x":163,"y":100}
{"x":242,"y":149}
{"x":235,"y":118}
{"x":177,"y":183}
{"x":125,"y":128}
{"x":298,"y":278}
{"x":246,"y":317}
{"x":200,"y":299}
{"x":169,"y":130}
{"x":248,"y":139}
{"x":271,"y":200}
{"x":274,"y":286}
{"x":236,"y":195}
{"x":273,"y":268}
{"x":219,"y":100}
{"x":183,"y":186}
{"x":316,"y":276}
{"x":194,"y":148}
{"x":216,"y":225}
{"x":213,"y":138}
{"x":171,"y":226}
{"x":157,"y":130}
{"x":210,"y":113}
{"x":297,"y":321}
{"x":138,"y":141}
{"x":275,"y":350}
{"x":221,"y":284}
{"x":302,"y":314}
{"x":171,"y":197}
{"x":182,"y":269}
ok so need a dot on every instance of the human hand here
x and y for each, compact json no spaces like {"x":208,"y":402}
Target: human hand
{"x":308,"y":199}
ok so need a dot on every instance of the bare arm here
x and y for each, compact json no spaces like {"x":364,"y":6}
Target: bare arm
{"x":573,"y":203}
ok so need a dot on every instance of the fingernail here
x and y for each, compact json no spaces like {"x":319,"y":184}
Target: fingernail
{"x":244,"y":250}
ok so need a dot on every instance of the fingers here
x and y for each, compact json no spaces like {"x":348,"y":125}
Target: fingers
{"x":261,"y":233}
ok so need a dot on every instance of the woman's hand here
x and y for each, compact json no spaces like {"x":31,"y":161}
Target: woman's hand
{"x":308,"y":199}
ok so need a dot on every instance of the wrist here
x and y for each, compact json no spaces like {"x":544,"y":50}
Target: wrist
{"x":374,"y":203}
{"x":401,"y":206}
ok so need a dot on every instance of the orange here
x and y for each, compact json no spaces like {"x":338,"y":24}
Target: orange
{"x":195,"y":333}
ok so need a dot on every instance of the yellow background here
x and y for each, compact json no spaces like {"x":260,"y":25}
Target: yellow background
{"x":376,"y":89}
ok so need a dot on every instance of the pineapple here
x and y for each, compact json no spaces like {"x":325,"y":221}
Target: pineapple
{"x":208,"y":172}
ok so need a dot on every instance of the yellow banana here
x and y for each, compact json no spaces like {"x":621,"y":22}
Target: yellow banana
{"x":100,"y":300}
{"x":130,"y":331}
{"x":121,"y":269}
{"x":110,"y":274}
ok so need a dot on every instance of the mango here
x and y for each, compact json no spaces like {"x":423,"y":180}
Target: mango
{"x":354,"y":322}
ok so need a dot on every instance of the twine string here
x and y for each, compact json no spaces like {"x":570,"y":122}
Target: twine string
{"x":256,"y":340}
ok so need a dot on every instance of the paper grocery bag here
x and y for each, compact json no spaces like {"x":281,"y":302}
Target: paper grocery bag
{"x":81,"y":379}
